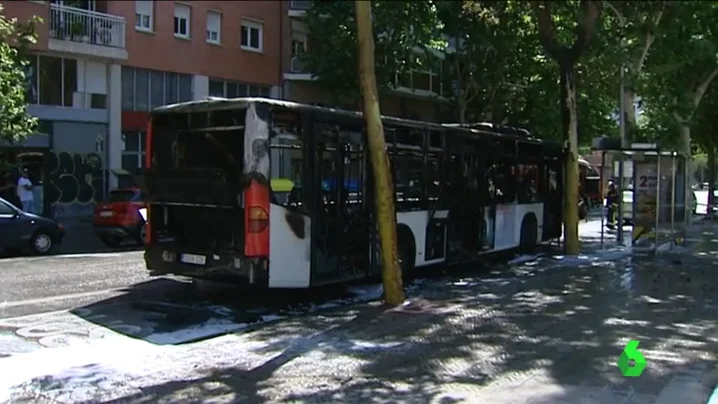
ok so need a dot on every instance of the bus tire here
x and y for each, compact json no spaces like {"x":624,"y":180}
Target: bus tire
{"x":406,"y":252}
{"x":529,"y":233}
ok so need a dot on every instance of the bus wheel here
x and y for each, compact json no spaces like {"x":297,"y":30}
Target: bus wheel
{"x":529,"y":232}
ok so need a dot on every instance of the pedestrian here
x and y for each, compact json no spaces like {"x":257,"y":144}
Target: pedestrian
{"x":611,"y":204}
{"x":24,"y":192}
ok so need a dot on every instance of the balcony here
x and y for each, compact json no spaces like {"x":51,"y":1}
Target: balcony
{"x":296,"y":65}
{"x":297,"y":71}
{"x":298,"y":8}
{"x":78,"y":31}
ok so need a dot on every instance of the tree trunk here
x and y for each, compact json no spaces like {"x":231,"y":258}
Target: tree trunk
{"x":383,"y":186}
{"x":629,"y":101}
{"x":462,"y":110}
{"x":569,"y":115}
{"x":685,"y":133}
{"x":711,"y":179}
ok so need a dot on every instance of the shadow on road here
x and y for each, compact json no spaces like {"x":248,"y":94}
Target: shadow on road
{"x":566,"y":325}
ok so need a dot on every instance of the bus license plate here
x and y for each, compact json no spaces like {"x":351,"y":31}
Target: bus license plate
{"x":193,"y":259}
{"x":106,"y":213}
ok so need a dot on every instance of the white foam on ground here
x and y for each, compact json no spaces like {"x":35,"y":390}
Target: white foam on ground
{"x":77,"y":365}
{"x":521,"y":259}
{"x":209,"y":328}
{"x":366,"y":293}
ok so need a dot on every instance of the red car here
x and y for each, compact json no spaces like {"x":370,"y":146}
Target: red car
{"x":118,"y":218}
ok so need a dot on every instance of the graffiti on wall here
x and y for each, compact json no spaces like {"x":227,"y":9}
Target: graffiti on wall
{"x":75,"y":183}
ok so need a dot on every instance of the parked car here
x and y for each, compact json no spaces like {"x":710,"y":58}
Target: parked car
{"x":27,"y":232}
{"x":118,"y":218}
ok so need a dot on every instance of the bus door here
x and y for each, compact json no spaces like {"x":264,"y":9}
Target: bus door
{"x":466,"y":213}
{"x":342,"y":231}
{"x":353,"y":208}
{"x":553,"y":200}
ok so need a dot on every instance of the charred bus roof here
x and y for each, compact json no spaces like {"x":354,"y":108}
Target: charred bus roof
{"x":503,"y":129}
{"x":219,"y":104}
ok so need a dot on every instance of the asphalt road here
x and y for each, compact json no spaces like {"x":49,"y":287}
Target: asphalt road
{"x":42,"y":284}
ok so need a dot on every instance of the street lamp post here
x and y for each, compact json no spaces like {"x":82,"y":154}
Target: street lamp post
{"x":622,"y":134}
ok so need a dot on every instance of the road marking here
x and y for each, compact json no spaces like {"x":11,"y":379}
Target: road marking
{"x":28,"y":302}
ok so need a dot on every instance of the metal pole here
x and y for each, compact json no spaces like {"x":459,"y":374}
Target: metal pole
{"x":658,"y":201}
{"x":622,"y":134}
{"x":600,"y":187}
{"x":673,"y":197}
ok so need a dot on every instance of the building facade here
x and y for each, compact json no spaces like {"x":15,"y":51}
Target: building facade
{"x":99,"y":67}
{"x":417,"y":96}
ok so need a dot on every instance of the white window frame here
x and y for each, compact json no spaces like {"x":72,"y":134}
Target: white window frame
{"x":431,"y":74}
{"x":250,"y":25}
{"x":144,"y":8}
{"x":180,"y":13}
{"x":214,"y":25}
{"x":299,"y":37}
{"x":140,"y":154}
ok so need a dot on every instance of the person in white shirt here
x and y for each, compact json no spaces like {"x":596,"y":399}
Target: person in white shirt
{"x":24,"y":192}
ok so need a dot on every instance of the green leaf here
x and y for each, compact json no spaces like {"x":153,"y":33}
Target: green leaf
{"x":15,"y":122}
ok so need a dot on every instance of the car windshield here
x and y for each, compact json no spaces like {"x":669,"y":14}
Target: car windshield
{"x":7,"y":208}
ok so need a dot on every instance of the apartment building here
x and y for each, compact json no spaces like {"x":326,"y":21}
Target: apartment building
{"x":99,"y":67}
{"x":416,"y":95}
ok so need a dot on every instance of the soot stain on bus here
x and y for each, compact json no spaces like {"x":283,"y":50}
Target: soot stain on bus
{"x":296,"y":224}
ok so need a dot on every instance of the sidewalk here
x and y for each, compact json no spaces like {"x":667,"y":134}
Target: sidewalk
{"x":531,"y":334}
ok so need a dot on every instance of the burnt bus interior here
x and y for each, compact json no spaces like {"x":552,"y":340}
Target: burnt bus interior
{"x":325,"y":159}
{"x":434,"y":168}
{"x":195,"y":180}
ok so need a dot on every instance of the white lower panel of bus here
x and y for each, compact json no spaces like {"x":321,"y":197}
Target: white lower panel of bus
{"x":289,"y":248}
{"x":509,"y":218}
{"x":417,"y":222}
{"x":505,"y":234}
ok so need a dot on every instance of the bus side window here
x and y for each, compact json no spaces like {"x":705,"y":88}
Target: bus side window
{"x":433,"y":180}
{"x":408,"y":167}
{"x":286,"y":157}
{"x":528,"y":183}
{"x":505,"y":181}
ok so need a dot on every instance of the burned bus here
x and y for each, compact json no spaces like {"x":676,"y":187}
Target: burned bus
{"x":278,"y":194}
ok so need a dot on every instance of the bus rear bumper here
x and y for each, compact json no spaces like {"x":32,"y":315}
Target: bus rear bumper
{"x":166,"y":260}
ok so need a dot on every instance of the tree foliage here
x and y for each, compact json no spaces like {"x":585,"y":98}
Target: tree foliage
{"x":401,"y":29}
{"x":499,"y":71}
{"x":681,"y":68}
{"x":15,"y":122}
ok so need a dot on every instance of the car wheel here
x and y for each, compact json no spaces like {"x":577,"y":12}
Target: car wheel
{"x":41,"y":243}
{"x":112,"y":242}
{"x":140,"y":234}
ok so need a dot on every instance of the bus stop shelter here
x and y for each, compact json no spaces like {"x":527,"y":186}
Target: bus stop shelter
{"x":653,"y":191}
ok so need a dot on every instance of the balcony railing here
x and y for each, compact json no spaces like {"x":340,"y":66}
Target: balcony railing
{"x":84,"y":26}
{"x":296,"y":65}
{"x":300,"y":4}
